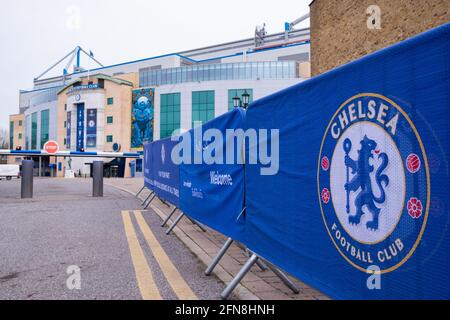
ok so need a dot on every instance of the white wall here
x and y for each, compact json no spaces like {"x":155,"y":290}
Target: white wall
{"x":269,"y":55}
{"x":261,"y":88}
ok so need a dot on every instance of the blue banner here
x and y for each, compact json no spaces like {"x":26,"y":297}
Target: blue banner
{"x":166,"y":174}
{"x":68,"y":129}
{"x":148,"y":165}
{"x":91,"y":129}
{"x":80,"y":126}
{"x":363,"y":175}
{"x":213,"y":193}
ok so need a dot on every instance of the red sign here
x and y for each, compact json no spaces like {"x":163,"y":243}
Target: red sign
{"x":51,"y":147}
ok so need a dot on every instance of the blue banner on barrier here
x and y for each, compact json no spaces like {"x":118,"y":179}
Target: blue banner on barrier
{"x":213,"y":193}
{"x":166,"y":174}
{"x":148,"y":165}
{"x":363,"y":181}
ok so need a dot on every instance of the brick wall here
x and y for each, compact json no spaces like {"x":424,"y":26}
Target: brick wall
{"x":339,"y":31}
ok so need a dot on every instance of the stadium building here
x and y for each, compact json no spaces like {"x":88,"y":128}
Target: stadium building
{"x":120,"y":107}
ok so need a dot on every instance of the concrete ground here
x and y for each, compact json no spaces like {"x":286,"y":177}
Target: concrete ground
{"x":257,"y":284}
{"x":120,"y":252}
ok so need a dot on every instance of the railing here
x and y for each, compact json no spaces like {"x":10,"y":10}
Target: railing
{"x":217,"y":72}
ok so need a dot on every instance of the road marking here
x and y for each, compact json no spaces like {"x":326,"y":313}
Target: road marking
{"x":174,"y":278}
{"x":146,"y":283}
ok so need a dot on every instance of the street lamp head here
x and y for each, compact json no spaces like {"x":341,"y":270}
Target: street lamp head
{"x":246,"y":99}
{"x":236,"y":102}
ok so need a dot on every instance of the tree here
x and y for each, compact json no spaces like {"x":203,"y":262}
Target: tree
{"x":4,"y":139}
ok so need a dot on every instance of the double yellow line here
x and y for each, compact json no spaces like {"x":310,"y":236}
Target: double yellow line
{"x":146,"y":283}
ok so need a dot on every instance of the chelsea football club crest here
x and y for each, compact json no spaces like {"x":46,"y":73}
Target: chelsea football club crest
{"x":373,"y":183}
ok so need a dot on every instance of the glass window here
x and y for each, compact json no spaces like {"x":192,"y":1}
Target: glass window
{"x":109,"y":139}
{"x":170,"y":114}
{"x":110,"y":101}
{"x":238,"y":92}
{"x":28,"y":132}
{"x":20,"y":136}
{"x":203,"y":108}
{"x":20,"y":123}
{"x":34,"y":125}
{"x":45,"y":127}
{"x":109,"y":120}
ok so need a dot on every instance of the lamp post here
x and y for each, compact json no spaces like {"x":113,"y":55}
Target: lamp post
{"x":246,"y":99}
{"x":237,"y":102}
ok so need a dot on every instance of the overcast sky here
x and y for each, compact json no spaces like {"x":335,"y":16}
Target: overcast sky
{"x":36,"y":34}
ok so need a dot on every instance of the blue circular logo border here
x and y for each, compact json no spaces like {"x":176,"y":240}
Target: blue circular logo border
{"x":424,"y":164}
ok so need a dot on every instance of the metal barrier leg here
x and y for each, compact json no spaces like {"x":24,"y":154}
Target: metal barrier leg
{"x":259,"y":263}
{"x":164,"y":202}
{"x":148,"y":204}
{"x":197,"y":224}
{"x":218,"y":257}
{"x":151,"y":193}
{"x":175,"y":223}
{"x":288,"y":282}
{"x":140,"y":191}
{"x":168,"y":217}
{"x":241,"y":274}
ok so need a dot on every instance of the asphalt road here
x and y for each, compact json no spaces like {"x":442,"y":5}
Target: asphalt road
{"x":121,"y":253}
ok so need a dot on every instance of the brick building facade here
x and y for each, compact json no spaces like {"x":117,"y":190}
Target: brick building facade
{"x":340,"y":32}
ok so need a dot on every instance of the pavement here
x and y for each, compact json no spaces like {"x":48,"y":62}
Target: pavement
{"x":256,"y":285}
{"x":64,"y":244}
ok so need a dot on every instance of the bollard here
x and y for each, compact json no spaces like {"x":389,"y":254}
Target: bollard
{"x":27,"y":179}
{"x":97,"y":174}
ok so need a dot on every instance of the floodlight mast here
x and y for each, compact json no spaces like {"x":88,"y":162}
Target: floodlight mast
{"x":289,"y":26}
{"x":73,"y":54}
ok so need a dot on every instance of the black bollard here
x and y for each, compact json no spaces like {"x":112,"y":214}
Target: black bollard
{"x":27,"y":179}
{"x":97,"y":174}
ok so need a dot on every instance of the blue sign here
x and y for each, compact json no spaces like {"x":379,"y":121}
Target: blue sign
{"x":166,"y":174}
{"x":91,"y":129}
{"x":68,"y":130}
{"x":92,"y":86}
{"x":148,"y":165}
{"x":80,"y":126}
{"x":363,"y":180}
{"x":213,"y":194}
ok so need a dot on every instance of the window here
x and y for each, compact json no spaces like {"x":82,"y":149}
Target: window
{"x":109,"y":139}
{"x":170,"y":114}
{"x":65,"y":107}
{"x":202,"y":106}
{"x":34,"y":125}
{"x":238,"y":92}
{"x":27,"y":131}
{"x":109,"y":120}
{"x":65,"y":141}
{"x":65,"y":124}
{"x":110,"y":101}
{"x":20,"y":123}
{"x":20,"y":136}
{"x":45,"y":124}
{"x":11,"y":134}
